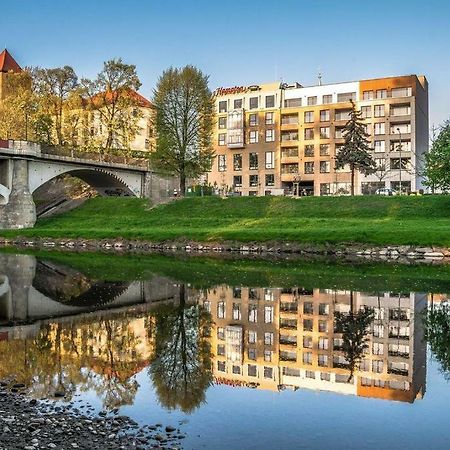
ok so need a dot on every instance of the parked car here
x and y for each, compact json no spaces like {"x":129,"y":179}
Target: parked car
{"x":385,"y":191}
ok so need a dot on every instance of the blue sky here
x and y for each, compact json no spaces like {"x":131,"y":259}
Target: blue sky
{"x":240,"y":42}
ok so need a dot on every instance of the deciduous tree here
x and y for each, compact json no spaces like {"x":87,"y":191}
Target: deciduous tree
{"x":437,"y":161}
{"x":114,"y":103}
{"x":184,"y":119}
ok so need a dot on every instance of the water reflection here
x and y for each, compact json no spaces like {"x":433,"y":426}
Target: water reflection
{"x":61,"y":330}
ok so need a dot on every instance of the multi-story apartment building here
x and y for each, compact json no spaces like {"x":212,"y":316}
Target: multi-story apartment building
{"x":286,"y":338}
{"x":289,"y":136}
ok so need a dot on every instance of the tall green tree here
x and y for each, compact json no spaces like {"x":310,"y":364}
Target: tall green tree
{"x":355,"y":151}
{"x":437,"y":160}
{"x":114,"y":103}
{"x":184,"y":123}
{"x":54,"y":87}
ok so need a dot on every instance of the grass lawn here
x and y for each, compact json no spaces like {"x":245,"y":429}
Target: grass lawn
{"x":372,"y":220}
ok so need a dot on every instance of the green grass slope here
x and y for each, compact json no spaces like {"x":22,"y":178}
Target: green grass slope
{"x":373,"y":220}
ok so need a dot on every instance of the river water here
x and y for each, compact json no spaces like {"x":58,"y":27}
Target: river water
{"x":231,"y":354}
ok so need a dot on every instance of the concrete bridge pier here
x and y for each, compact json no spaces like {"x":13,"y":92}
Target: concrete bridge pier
{"x":20,"y":211}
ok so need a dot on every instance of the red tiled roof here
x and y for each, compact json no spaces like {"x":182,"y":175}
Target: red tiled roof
{"x":8,"y":63}
{"x":141,"y":100}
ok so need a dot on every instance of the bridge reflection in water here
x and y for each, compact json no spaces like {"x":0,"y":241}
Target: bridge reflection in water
{"x":61,"y":329}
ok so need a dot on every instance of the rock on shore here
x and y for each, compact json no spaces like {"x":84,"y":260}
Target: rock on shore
{"x":27,"y":424}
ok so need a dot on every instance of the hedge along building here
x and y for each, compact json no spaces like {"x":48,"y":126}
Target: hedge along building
{"x":291,"y":146}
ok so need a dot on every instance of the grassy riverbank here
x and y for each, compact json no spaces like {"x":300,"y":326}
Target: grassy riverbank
{"x":320,"y":220}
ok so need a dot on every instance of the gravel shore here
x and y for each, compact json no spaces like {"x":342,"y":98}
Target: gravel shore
{"x":29,"y":424}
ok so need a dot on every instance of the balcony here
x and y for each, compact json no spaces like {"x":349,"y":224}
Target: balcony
{"x":288,"y":307}
{"x":397,"y":371}
{"x":289,"y":136}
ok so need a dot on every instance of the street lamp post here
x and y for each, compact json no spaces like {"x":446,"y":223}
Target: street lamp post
{"x":400,"y":158}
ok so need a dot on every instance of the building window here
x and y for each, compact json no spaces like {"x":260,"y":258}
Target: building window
{"x":238,"y":103}
{"x":379,"y":128}
{"x":325,"y":376}
{"x":307,"y":325}
{"x":342,"y":114}
{"x":312,"y":100}
{"x":253,"y":137}
{"x":237,"y":161}
{"x":400,"y":110}
{"x":252,"y":354}
{"x":270,"y":179}
{"x":368,"y":95}
{"x":270,"y":135}
{"x":323,"y":360}
{"x":323,"y":343}
{"x":324,"y":167}
{"x":221,"y":333}
{"x":307,"y":342}
{"x":222,"y":139}
{"x":289,"y":168}
{"x":325,"y":115}
{"x":377,"y":348}
{"x":395,"y":163}
{"x":221,"y":350}
{"x":223,"y":106}
{"x":309,"y":167}
{"x":325,"y":189}
{"x":338,"y":132}
{"x":267,"y":355}
{"x":252,"y":337}
{"x":236,"y":311}
{"x":268,"y":314}
{"x":309,"y":116}
{"x":237,"y":181}
{"x":324,"y":132}
{"x":253,"y":120}
{"x":268,"y":372}
{"x":401,"y":92}
{"x":237,"y":292}
{"x":293,"y":102}
{"x":289,"y":136}
{"x":236,"y":370}
{"x":377,"y":366}
{"x":327,"y":99}
{"x":379,"y":111}
{"x":346,"y":97}
{"x":403,"y":128}
{"x":270,"y":160}
{"x":366,"y":112}
{"x":270,"y":101}
{"x":307,"y":358}
{"x":323,"y":326}
{"x":253,"y":180}
{"x":253,"y":313}
{"x":253,"y":103}
{"x":381,"y":93}
{"x":324,"y":149}
{"x":221,"y":367}
{"x":221,"y":310}
{"x":309,"y":150}
{"x":252,"y":371}
{"x":380,"y":146}
{"x":269,"y":118}
{"x":309,"y":133}
{"x":324,"y":309}
{"x":268,"y":338}
{"x":253,"y":161}
{"x":222,"y":163}
{"x":222,"y":122}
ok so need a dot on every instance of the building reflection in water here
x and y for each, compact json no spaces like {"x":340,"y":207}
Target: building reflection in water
{"x":61,"y":330}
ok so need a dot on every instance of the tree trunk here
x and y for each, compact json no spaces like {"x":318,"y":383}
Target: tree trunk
{"x":353,"y":181}
{"x":182,"y":184}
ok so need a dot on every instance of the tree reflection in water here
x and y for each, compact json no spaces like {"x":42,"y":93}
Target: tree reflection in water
{"x":181,"y":368}
{"x":437,"y":334}
{"x":354,"y":327}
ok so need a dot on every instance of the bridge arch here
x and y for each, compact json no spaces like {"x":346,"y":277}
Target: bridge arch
{"x":105,"y":182}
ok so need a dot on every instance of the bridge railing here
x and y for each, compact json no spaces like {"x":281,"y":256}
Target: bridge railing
{"x":115,"y":156}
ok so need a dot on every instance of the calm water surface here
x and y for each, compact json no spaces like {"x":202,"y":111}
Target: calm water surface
{"x":244,"y":366}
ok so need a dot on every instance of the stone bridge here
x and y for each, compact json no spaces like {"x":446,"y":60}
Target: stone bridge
{"x":25,"y":166}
